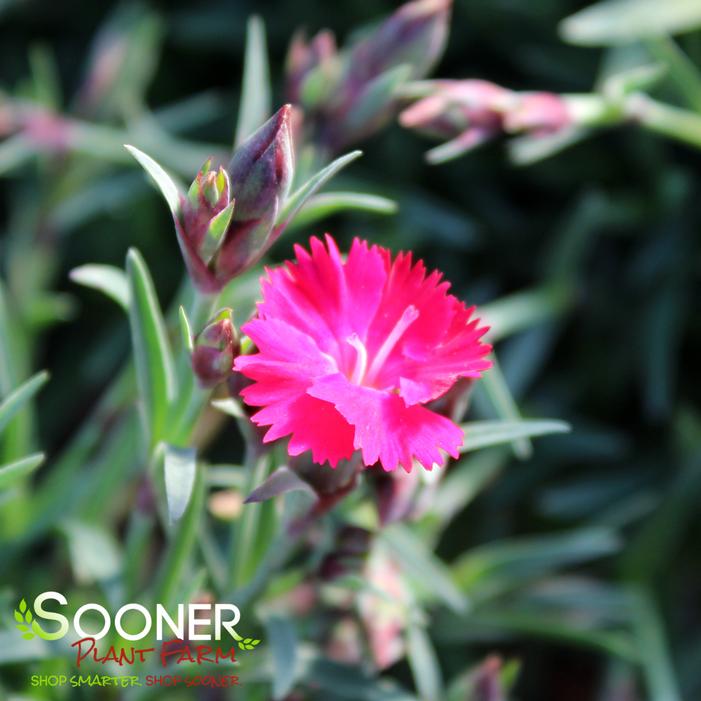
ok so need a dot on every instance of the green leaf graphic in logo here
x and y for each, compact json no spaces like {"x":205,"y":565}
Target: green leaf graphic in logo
{"x":246,"y":643}
{"x":24,"y":620}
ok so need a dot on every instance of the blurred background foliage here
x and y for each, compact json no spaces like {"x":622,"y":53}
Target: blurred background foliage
{"x":606,"y":233}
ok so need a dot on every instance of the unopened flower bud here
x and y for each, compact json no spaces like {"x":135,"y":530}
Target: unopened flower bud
{"x":215,"y":349}
{"x":415,"y":36}
{"x":308,"y":65}
{"x":470,"y":112}
{"x":260,"y":173}
{"x":487,"y":684}
{"x":349,"y":95}
{"x":227,"y":221}
{"x":538,"y":113}
{"x":262,"y":167}
{"x":205,"y":216}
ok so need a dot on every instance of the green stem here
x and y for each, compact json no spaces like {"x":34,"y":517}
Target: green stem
{"x":242,"y":559}
{"x":673,"y":122}
{"x":682,"y":71}
{"x":192,"y":397}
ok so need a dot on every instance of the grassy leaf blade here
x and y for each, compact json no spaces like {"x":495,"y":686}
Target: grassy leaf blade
{"x":163,"y":181}
{"x":179,"y":466}
{"x":255,"y":92}
{"x":482,"y":434}
{"x":105,"y":278}
{"x":297,"y":200}
{"x":17,"y":470}
{"x":17,"y":399}
{"x":152,"y":354}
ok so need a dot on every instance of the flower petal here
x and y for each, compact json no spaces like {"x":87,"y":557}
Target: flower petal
{"x":326,"y":298}
{"x":441,"y":345}
{"x":427,"y":375}
{"x":287,"y":364}
{"x":386,"y":429}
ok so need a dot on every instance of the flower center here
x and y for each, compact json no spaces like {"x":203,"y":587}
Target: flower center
{"x":361,"y":374}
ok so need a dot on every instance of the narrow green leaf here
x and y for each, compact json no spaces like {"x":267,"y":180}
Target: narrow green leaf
{"x":499,"y":394}
{"x":353,"y":683}
{"x":163,"y":181}
{"x":185,"y":330}
{"x":524,"y":310}
{"x":45,"y":79}
{"x":152,"y":355}
{"x":94,"y":552}
{"x":480,"y":434}
{"x":281,"y":481}
{"x":328,"y":203}
{"x":682,"y":71}
{"x":526,"y":150}
{"x":495,"y":568}
{"x":297,"y":200}
{"x":105,"y":278}
{"x":283,"y":642}
{"x":230,"y":407}
{"x":621,"y":83}
{"x":452,"y":149}
{"x":14,"y":152}
{"x":463,"y":483}
{"x":423,"y":566}
{"x":252,"y":528}
{"x":657,"y":666}
{"x":15,"y":471}
{"x":255,"y":91}
{"x":485,"y":623}
{"x":181,"y":545}
{"x":216,"y":231}
{"x":179,"y":466}
{"x":17,"y":399}
{"x":424,"y":664}
{"x":623,"y":21}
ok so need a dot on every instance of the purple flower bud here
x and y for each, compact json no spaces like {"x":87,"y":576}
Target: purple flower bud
{"x":470,"y":112}
{"x":215,"y":349}
{"x":260,"y":173}
{"x":415,"y":35}
{"x":209,"y":194}
{"x":471,"y":109}
{"x":308,"y":61}
{"x":227,"y":220}
{"x":487,"y":684}
{"x":205,"y":215}
{"x":349,"y":95}
{"x":261,"y":168}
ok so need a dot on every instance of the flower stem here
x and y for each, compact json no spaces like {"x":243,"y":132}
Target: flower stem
{"x":674,"y":122}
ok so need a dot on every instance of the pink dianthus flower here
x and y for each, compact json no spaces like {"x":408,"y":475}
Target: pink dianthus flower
{"x":350,"y":351}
